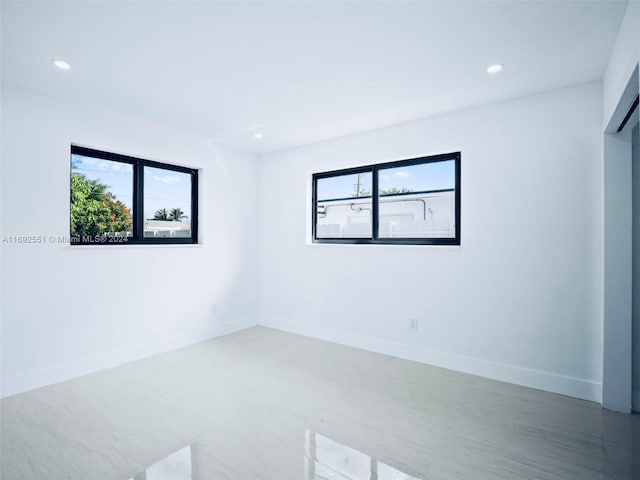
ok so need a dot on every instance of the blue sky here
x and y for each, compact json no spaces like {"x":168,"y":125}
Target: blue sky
{"x":162,"y":188}
{"x":427,"y":176}
{"x":166,"y":189}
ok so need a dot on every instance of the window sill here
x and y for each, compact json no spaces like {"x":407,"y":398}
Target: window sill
{"x":133,"y":245}
{"x":379,"y":245}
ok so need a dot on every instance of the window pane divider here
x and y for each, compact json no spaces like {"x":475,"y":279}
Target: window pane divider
{"x":375,"y":205}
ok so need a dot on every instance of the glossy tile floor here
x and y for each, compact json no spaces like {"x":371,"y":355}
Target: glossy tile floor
{"x":264,"y":404}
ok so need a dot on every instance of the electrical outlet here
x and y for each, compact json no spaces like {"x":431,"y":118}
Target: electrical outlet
{"x":413,"y":324}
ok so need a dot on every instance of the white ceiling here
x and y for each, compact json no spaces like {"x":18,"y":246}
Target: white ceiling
{"x":301,"y":72}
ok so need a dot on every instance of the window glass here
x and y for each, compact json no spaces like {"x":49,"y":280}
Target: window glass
{"x":101,"y":198}
{"x":167,"y":203}
{"x":117,"y":199}
{"x":344,"y":206}
{"x":417,"y":201}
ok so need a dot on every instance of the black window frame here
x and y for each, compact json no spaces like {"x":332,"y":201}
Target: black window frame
{"x":375,"y":220}
{"x":137,"y":208}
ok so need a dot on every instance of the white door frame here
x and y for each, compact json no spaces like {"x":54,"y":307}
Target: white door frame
{"x":617,"y":348}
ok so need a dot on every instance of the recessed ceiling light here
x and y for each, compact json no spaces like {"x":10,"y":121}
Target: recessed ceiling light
{"x":258,"y":136}
{"x":61,"y":64}
{"x":495,"y":68}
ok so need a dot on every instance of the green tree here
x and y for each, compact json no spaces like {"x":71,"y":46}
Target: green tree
{"x":177,"y":215}
{"x":95,"y":211}
{"x":394,"y":191}
{"x":162,"y":214}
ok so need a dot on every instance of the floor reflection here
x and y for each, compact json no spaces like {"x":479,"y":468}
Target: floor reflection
{"x":176,"y":466}
{"x":269,"y":405}
{"x":326,"y":459}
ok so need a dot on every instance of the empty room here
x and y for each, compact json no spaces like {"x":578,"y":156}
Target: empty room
{"x":320,"y":240}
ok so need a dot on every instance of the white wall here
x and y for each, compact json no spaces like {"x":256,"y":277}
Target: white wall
{"x":520,"y":300}
{"x":68,"y":310}
{"x":636,"y":268}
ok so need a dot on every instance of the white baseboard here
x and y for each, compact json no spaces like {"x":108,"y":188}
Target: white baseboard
{"x":550,"y":382}
{"x":82,"y":366}
{"x":635,"y":401}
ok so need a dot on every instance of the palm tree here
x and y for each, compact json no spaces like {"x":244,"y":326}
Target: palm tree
{"x":161,"y":214}
{"x":177,"y":214}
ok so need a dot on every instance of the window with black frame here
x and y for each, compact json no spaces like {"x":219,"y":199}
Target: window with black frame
{"x":118,"y":199}
{"x":414,"y":201}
